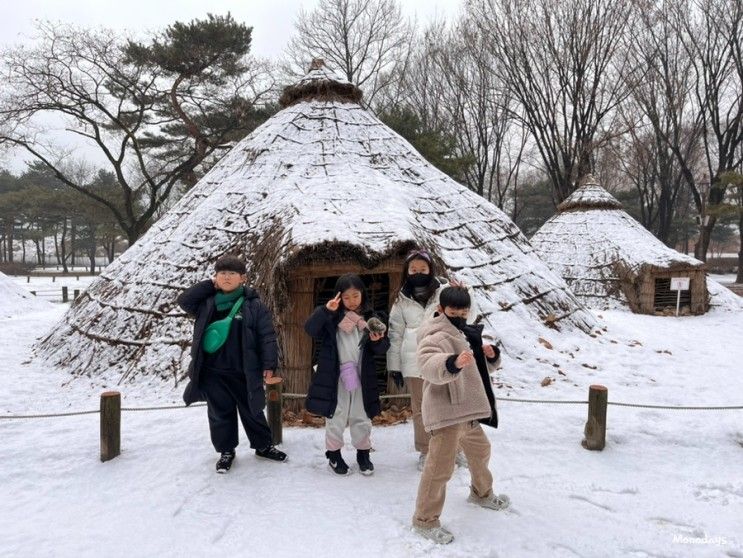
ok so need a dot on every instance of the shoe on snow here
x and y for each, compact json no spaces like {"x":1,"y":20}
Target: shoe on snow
{"x":492,"y":502}
{"x":225,"y":461}
{"x":271,"y":453}
{"x":421,"y":461}
{"x":461,"y":460}
{"x":335,"y":460}
{"x":439,"y":535}
{"x":365,"y":465}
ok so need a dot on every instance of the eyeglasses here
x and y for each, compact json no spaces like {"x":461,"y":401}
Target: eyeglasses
{"x":424,"y":254}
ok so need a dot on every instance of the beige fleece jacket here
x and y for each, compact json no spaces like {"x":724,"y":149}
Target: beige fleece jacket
{"x":448,"y":398}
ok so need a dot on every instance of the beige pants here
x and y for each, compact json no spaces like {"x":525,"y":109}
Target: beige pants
{"x":440,"y":464}
{"x":415,"y":385}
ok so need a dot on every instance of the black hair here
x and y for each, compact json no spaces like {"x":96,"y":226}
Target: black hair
{"x":352,"y":281}
{"x":230,"y":263}
{"x":455,"y":297}
{"x":432,"y":285}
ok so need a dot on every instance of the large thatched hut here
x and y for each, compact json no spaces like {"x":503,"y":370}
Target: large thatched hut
{"x":322,"y":188}
{"x":610,"y":260}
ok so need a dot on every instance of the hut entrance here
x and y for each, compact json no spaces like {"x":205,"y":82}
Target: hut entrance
{"x":312,"y":285}
{"x":666,"y":298}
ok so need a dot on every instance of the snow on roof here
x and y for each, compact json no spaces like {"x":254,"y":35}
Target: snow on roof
{"x":584,"y":241}
{"x":321,"y":179}
{"x":589,"y":196}
{"x":15,"y":300}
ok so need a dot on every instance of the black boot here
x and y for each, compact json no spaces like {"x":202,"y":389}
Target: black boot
{"x":335,"y":460}
{"x":365,"y":465}
{"x":225,"y":461}
{"x":271,"y":453}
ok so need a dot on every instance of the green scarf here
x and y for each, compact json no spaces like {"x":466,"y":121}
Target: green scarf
{"x":224,"y":301}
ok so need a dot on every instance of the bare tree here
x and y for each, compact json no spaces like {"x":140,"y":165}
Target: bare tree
{"x":480,"y":108}
{"x":367,"y":40}
{"x":712,"y":34}
{"x":153,"y":123}
{"x":563,"y":62}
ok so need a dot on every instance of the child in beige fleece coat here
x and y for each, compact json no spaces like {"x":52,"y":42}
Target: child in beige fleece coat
{"x":457,"y":398}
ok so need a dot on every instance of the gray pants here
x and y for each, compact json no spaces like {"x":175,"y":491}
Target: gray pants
{"x":349,"y":412}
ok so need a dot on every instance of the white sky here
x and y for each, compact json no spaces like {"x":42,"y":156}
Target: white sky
{"x":272,"y":22}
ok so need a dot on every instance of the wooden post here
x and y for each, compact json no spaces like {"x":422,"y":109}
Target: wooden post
{"x":273,"y":402}
{"x":110,"y":425}
{"x":595,"y":430}
{"x":75,"y":294}
{"x":65,"y":294}
{"x":28,"y":279}
{"x":54,"y":278}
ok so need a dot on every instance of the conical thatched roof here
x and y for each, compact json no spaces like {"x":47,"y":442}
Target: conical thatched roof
{"x":323,"y":180}
{"x":592,"y":241}
{"x":15,"y":300}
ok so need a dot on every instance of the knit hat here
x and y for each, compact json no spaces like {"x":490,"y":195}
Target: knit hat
{"x":230,"y":263}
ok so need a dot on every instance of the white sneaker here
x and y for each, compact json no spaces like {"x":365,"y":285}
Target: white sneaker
{"x":439,"y":535}
{"x":461,"y":460}
{"x":421,"y":461}
{"x":492,"y":502}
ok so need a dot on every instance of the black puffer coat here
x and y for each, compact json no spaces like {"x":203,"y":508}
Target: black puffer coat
{"x":322,"y":396}
{"x":259,"y":348}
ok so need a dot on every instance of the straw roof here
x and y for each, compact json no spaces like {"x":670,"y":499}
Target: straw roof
{"x":321,"y":181}
{"x":593,"y":244}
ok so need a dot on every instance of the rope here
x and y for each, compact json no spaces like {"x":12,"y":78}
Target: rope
{"x":400,"y":396}
{"x":51,"y":415}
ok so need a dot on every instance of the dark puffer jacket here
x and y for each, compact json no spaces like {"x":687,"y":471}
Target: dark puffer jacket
{"x":322,"y":396}
{"x":259,"y":348}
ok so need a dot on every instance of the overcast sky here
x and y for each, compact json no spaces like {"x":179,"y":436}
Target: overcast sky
{"x":272,"y":22}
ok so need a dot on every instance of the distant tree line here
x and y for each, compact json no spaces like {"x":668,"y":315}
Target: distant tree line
{"x":516,"y":99}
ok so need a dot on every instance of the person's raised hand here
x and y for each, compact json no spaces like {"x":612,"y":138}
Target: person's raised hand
{"x":464,"y":358}
{"x":334,"y":303}
{"x":375,"y":336}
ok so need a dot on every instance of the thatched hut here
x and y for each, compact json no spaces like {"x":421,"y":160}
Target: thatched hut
{"x":322,"y":188}
{"x":609,"y":260}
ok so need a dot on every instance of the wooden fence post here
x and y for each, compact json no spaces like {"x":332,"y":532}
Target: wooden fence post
{"x":110,"y":425}
{"x":274,"y":403}
{"x":65,"y":294}
{"x":595,"y":430}
{"x":75,"y":294}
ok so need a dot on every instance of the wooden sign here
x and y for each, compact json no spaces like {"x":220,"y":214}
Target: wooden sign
{"x":679,"y":283}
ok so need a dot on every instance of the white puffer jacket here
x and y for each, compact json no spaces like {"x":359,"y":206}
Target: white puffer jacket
{"x":405,"y":318}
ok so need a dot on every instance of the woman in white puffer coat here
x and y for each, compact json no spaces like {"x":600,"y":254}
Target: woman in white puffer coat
{"x":417,"y":300}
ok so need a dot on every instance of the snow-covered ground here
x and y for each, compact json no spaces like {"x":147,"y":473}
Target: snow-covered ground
{"x":669,"y":483}
{"x":723,"y":278}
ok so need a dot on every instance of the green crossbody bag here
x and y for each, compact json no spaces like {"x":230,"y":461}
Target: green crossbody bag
{"x":216,"y":334}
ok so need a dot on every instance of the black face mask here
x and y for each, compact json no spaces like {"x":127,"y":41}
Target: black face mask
{"x":419,"y":279}
{"x":458,"y":322}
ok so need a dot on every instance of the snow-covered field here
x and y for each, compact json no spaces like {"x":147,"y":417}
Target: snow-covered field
{"x":50,"y":288}
{"x":669,"y":483}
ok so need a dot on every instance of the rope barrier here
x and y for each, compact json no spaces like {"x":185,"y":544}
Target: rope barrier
{"x":400,"y":396}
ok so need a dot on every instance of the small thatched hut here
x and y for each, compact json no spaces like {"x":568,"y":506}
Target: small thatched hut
{"x":321,"y":189}
{"x":609,"y":260}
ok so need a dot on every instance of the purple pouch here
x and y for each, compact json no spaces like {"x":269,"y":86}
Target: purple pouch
{"x":350,"y":376}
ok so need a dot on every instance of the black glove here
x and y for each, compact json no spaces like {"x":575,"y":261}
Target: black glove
{"x":398,"y":379}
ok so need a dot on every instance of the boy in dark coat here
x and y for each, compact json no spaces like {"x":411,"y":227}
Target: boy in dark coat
{"x":229,"y":372}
